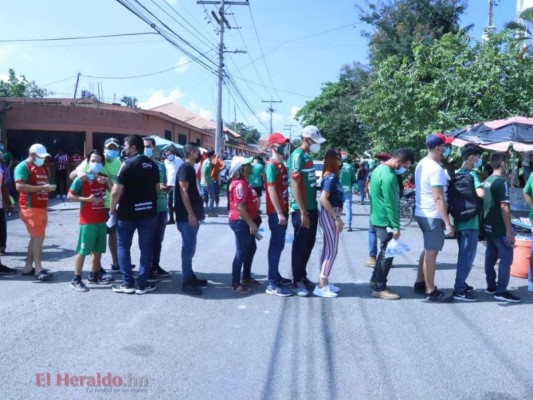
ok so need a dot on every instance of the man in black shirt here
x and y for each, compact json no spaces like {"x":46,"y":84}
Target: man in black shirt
{"x":189,"y":210}
{"x":134,"y":201}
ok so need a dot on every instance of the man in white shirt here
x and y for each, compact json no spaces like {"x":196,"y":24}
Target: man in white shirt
{"x":431,"y":213}
{"x":172,"y":164}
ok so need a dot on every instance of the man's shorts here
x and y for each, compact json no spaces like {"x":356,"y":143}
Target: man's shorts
{"x":92,"y":238}
{"x":433,"y":231}
{"x":113,"y":229}
{"x":258,"y":190}
{"x":35,"y":220}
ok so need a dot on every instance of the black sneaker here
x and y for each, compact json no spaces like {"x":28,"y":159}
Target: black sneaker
{"x":466,"y":296}
{"x":490,"y":290}
{"x":439,"y":297}
{"x":44,"y":275}
{"x":78,"y":285}
{"x":420,"y":287}
{"x":5,"y":270}
{"x":104,"y":276}
{"x":95,"y":278}
{"x":507,"y":296}
{"x":285,"y":281}
{"x":149,"y":288}
{"x":191,"y":290}
{"x":160,"y":272}
{"x":469,"y":288}
{"x":123,"y":289}
{"x":115,"y":269}
{"x":152,"y":279}
{"x":198,"y":282}
{"x":29,"y":273}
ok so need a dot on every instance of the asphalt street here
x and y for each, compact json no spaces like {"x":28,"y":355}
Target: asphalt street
{"x":223,"y":345}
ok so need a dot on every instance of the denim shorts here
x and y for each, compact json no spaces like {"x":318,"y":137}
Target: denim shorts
{"x":433,"y":231}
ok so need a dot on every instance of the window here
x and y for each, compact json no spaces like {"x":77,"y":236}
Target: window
{"x":199,"y":141}
{"x":182,"y":138}
{"x":168,"y":134}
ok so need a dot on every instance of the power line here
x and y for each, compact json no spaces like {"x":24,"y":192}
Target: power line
{"x":77,"y":37}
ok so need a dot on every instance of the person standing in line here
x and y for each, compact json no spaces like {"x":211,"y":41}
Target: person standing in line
{"x":431,"y":213}
{"x":207,"y":182}
{"x":189,"y":209}
{"x":218,"y":166}
{"x":385,"y":216}
{"x":499,"y":235}
{"x":92,"y":233}
{"x":277,"y":208}
{"x":61,"y":161}
{"x":331,"y":199}
{"x":347,"y":179}
{"x":32,"y":183}
{"x":162,"y":210}
{"x":528,"y":198}
{"x":361,"y":176}
{"x":467,"y":229}
{"x":4,"y":199}
{"x":256,"y":178}
{"x":244,"y":221}
{"x":134,"y":207}
{"x":304,"y":207}
{"x":172,"y":165}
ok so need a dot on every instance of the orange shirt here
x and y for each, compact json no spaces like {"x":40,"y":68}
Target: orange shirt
{"x":217,"y":166}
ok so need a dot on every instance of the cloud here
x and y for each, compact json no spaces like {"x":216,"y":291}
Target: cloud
{"x":160,"y":97}
{"x":182,"y":65}
{"x":202,"y":112}
{"x":294,"y":110}
{"x":264,"y":116}
{"x":4,"y":77}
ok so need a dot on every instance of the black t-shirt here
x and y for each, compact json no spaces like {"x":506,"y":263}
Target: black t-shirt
{"x":186,"y":173}
{"x":139,"y":175}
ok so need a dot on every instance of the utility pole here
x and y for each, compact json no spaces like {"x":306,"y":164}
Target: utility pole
{"x":222,"y":23}
{"x":490,"y":25}
{"x":271,"y":110}
{"x":289,"y":128}
{"x":77,"y":82}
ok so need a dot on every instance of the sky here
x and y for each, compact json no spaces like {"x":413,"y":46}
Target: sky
{"x":292,"y":48}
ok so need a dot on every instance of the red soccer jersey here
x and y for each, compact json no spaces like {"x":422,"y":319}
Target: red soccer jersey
{"x":241,"y":192}
{"x":277,"y":176}
{"x":90,"y":213}
{"x":29,"y":173}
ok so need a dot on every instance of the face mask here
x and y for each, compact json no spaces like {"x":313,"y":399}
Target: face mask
{"x":400,"y":171}
{"x":148,"y":152}
{"x":170,"y":157}
{"x":95,"y":167}
{"x":281,"y":150}
{"x":446,"y":152}
{"x":314,"y":148}
{"x":111,"y":154}
{"x":478,"y":163}
{"x":39,"y":161}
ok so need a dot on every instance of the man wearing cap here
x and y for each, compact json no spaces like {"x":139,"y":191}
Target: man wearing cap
{"x":304,"y":206}
{"x":32,"y":182}
{"x":431,"y":213}
{"x":347,"y":180}
{"x":110,"y":170}
{"x":277,"y":208}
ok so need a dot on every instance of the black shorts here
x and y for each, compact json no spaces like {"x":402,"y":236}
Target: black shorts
{"x":258,"y":190}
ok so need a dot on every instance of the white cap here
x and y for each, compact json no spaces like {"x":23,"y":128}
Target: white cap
{"x":237,"y":162}
{"x":39,"y":150}
{"x":312,"y":132}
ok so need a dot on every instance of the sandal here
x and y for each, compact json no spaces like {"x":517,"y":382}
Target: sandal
{"x":250,"y":282}
{"x":30,"y":273}
{"x":241,"y":289}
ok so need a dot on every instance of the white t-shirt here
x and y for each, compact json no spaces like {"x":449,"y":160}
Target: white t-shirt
{"x":172,"y":170}
{"x":428,"y":174}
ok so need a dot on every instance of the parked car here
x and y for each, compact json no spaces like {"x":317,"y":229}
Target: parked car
{"x":319,"y":167}
{"x":224,"y":173}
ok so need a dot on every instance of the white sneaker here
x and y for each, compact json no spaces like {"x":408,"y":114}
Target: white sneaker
{"x":333,"y":288}
{"x":301,"y":290}
{"x":324,"y":292}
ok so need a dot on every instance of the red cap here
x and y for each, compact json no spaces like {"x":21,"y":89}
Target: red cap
{"x":383,"y":156}
{"x":277,"y":138}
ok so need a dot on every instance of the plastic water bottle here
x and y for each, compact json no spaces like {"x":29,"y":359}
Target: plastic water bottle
{"x":260,"y":233}
{"x":289,"y":238}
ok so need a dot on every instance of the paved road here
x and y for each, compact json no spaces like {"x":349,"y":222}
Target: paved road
{"x":165,"y":345}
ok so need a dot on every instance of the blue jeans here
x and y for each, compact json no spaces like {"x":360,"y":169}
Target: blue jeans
{"x":302,"y":246}
{"x":361,"y":188}
{"x":348,"y":207}
{"x":244,"y":252}
{"x":275,"y":247}
{"x":161,"y":224}
{"x":502,"y":249}
{"x":146,"y":229}
{"x":467,"y":241}
{"x":210,"y":191}
{"x":188,"y":248}
{"x":372,"y":241}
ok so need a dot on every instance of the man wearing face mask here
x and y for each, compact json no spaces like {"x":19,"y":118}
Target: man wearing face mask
{"x":172,"y":165}
{"x":110,"y":170}
{"x":385,"y":215}
{"x":431,"y":213}
{"x":304,"y":207}
{"x":32,"y":183}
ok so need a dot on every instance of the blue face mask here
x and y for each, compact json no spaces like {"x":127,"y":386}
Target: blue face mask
{"x":170,"y":157}
{"x":39,"y":161}
{"x":95,"y":167}
{"x":400,"y":171}
{"x":478,"y":163}
{"x":111,"y":154}
{"x":446,"y":152}
{"x":148,"y":152}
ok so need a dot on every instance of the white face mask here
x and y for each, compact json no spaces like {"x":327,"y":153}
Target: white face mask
{"x":314,"y":148}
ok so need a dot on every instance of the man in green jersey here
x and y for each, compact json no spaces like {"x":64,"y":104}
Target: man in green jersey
{"x":347,"y":180}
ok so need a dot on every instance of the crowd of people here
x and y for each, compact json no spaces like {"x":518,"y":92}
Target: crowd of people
{"x":127,"y":188}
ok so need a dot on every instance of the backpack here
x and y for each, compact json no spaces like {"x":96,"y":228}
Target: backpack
{"x":463,"y":201}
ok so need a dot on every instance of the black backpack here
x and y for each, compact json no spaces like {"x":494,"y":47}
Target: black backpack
{"x":463,"y":201}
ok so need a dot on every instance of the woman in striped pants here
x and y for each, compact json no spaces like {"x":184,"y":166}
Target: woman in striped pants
{"x":330,"y":221}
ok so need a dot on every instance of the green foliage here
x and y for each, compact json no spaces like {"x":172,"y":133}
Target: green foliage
{"x":451,"y":83}
{"x":20,"y":87}
{"x":250,"y":134}
{"x":333,"y":110}
{"x":129,"y":101}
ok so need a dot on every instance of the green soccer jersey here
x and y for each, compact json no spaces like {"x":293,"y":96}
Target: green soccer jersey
{"x":255,"y":179}
{"x":528,"y":189}
{"x":384,"y":198}
{"x":206,"y":173}
{"x":162,"y":204}
{"x":301,"y":165}
{"x":347,"y":177}
{"x":496,"y":192}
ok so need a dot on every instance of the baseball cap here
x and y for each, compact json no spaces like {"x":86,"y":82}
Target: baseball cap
{"x":438,"y":139}
{"x":277,"y":138}
{"x":312,"y":132}
{"x":39,"y":150}
{"x":383,"y":156}
{"x":237,"y":162}
{"x":111,"y":141}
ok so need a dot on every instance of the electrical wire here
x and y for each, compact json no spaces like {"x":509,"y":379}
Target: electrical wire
{"x":76,"y":37}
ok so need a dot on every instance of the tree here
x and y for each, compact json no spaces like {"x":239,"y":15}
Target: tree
{"x":129,"y":101}
{"x":250,"y":134}
{"x":333,"y":110}
{"x":397,"y":24}
{"x":20,"y":87}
